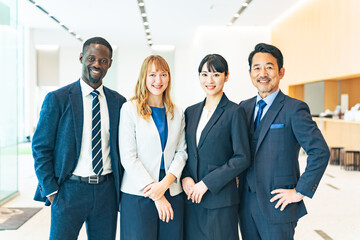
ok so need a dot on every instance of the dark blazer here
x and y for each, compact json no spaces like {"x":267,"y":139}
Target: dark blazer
{"x":285,"y":128}
{"x":57,"y":140}
{"x":222,"y":154}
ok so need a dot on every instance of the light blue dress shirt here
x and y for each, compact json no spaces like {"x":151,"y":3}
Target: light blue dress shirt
{"x":268,"y":100}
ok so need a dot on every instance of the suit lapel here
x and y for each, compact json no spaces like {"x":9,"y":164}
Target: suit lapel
{"x":249,"y":109}
{"x":218,"y":112}
{"x":111,"y":104}
{"x":194,"y":124}
{"x":269,"y":118}
{"x":76,"y":100}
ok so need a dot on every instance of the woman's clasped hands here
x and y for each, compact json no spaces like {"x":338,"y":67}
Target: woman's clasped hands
{"x":156,"y":191}
{"x":194,"y":191}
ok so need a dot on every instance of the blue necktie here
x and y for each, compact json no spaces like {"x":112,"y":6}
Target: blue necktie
{"x":261,"y":104}
{"x":97,"y":162}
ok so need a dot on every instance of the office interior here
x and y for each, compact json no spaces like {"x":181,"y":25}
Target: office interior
{"x":318,"y":38}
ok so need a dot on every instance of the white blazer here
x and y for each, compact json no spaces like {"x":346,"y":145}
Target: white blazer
{"x":141,"y":150}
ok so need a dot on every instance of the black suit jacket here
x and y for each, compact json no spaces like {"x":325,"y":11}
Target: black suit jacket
{"x":222,"y":154}
{"x":286,"y":127}
{"x":57,"y":140}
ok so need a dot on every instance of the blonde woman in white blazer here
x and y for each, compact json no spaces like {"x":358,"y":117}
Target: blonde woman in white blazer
{"x":153,"y":154}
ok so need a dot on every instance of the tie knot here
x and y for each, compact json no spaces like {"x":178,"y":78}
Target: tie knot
{"x":94,"y":93}
{"x":262,"y":104}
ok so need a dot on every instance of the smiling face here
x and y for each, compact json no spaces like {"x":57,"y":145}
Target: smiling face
{"x":96,"y":60}
{"x":212,"y":82}
{"x":265,"y":74}
{"x":156,"y":81}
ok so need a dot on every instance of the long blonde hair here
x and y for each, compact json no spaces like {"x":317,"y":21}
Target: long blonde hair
{"x":142,"y":93}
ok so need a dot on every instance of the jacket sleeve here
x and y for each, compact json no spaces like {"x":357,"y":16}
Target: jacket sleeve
{"x":240,"y":160}
{"x":128,"y":151}
{"x":180,"y":157}
{"x":43,"y":145}
{"x":186,"y":172}
{"x":311,"y":140}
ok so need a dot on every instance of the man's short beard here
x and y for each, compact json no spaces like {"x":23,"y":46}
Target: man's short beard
{"x":94,"y":80}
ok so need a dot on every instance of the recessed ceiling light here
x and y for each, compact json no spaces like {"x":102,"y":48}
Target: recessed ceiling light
{"x":148,"y":37}
{"x":149,"y":42}
{"x":141,"y":4}
{"x":245,"y":4}
{"x":146,"y":23}
{"x":236,"y":15}
{"x":229,"y":23}
{"x":147,"y":30}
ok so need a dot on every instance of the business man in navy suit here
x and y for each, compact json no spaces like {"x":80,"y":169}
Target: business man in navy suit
{"x":273,"y":191}
{"x":76,"y":153}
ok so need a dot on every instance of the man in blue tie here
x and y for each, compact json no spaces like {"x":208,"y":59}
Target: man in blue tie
{"x":76,"y":153}
{"x":273,"y":189}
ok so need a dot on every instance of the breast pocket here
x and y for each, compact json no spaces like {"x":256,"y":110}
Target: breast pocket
{"x":278,"y":136}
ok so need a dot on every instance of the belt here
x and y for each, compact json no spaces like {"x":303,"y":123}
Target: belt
{"x":92,"y":179}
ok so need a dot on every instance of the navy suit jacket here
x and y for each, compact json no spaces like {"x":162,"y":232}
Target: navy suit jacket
{"x":57,"y":140}
{"x":285,"y":128}
{"x":222,"y":154}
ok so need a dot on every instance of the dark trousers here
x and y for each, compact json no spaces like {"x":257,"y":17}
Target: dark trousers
{"x":211,"y":224}
{"x":78,"y":202}
{"x":254,"y":225}
{"x":139,"y":219}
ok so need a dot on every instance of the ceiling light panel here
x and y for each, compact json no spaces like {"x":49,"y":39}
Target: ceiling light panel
{"x":235,"y":17}
{"x":145,"y":22}
{"x":61,"y":24}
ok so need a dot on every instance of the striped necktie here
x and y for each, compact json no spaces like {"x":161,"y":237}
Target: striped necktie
{"x":97,"y":162}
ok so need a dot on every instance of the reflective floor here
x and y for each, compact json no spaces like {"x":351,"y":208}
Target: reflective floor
{"x":334,"y":212}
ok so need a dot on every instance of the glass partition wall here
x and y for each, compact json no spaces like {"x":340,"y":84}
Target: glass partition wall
{"x":8,"y":99}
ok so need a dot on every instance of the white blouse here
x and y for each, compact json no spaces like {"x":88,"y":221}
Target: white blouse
{"x":205,"y":117}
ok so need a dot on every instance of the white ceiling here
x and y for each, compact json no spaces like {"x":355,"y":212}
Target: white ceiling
{"x":172,"y":22}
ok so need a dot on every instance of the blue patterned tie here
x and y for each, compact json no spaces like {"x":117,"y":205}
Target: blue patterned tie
{"x":261,"y":104}
{"x":97,"y":162}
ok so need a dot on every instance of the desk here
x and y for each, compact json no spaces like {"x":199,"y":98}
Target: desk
{"x":340,"y":133}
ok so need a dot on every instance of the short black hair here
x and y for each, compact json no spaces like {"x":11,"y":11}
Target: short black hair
{"x":214,"y":62}
{"x":97,"y":40}
{"x":267,"y":48}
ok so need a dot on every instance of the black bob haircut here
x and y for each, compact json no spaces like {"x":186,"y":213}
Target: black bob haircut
{"x":266,"y":48}
{"x":215,"y":62}
{"x":97,"y":40}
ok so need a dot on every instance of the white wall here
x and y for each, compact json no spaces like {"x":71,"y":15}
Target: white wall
{"x":234,"y":44}
{"x":129,"y":60}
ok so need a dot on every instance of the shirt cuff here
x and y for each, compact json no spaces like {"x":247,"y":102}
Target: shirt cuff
{"x":52,"y":193}
{"x":299,"y":193}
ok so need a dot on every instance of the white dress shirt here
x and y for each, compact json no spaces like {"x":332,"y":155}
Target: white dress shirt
{"x":84,"y":166}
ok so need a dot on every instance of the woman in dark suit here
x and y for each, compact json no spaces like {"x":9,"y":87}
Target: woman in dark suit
{"x":218,"y":151}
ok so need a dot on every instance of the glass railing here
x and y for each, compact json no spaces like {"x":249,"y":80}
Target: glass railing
{"x":8,"y":99}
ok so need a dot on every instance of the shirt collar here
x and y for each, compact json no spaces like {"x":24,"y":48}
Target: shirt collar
{"x":86,"y":89}
{"x":269,"y":99}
